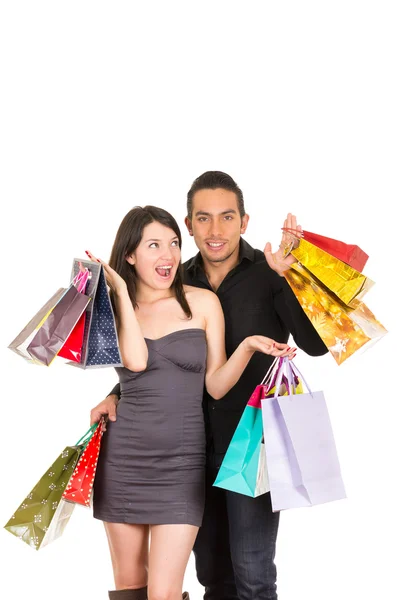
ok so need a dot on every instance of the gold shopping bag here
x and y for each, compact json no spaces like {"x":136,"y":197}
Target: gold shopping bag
{"x":341,"y":279}
{"x":344,"y":329}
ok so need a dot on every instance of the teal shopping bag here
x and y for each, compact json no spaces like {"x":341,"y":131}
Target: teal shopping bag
{"x":243,"y":469}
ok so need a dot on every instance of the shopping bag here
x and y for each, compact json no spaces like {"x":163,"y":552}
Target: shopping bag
{"x":341,"y":279}
{"x":351,"y":254}
{"x":100,"y":343}
{"x":80,"y":487}
{"x":42,"y":516}
{"x":23,"y":339}
{"x":343,"y":329}
{"x":21,"y":343}
{"x":72,"y":348}
{"x":302,"y":462}
{"x":56,"y":329}
{"x":243,"y":469}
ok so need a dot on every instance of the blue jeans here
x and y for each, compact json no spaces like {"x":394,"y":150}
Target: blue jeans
{"x":236,"y":544}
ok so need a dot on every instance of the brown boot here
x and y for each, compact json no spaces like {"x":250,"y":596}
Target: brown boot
{"x":185,"y":596}
{"x":140,"y":594}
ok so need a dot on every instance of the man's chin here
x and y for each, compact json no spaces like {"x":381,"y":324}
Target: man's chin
{"x":217,"y":259}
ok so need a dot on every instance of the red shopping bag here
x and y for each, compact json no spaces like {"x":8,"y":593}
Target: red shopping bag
{"x":350,"y":254}
{"x":79,"y":488}
{"x":72,"y":348}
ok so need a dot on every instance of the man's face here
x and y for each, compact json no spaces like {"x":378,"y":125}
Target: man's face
{"x":216,"y":224}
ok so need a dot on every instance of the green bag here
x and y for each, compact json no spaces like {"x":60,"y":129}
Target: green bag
{"x":243,"y":469}
{"x":43,"y":515}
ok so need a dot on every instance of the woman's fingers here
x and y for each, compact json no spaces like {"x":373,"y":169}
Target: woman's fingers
{"x":283,"y":350}
{"x":275,"y":350}
{"x":91,"y":256}
{"x":109,"y":272}
{"x":269,"y":345}
{"x":282,"y":353}
{"x":108,"y":269}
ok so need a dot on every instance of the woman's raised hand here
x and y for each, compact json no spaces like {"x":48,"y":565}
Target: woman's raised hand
{"x":113,"y":279}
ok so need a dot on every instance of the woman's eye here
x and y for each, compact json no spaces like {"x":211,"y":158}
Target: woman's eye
{"x":153,"y":244}
{"x":175,"y":243}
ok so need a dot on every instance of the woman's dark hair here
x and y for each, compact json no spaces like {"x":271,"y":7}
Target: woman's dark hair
{"x":128,"y":238}
{"x":213,"y":180}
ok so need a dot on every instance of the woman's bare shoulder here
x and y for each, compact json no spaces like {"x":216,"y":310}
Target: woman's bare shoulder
{"x":200,"y":296}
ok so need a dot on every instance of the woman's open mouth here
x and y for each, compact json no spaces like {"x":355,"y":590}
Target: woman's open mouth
{"x":164,"y":271}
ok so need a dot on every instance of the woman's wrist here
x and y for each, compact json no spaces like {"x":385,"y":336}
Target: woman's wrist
{"x":121,"y":290}
{"x":247,"y":347}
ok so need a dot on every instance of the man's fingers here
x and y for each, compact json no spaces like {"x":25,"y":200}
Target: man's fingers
{"x":269,"y":255}
{"x":105,"y":409}
{"x":112,"y":413}
{"x":95,"y":416}
{"x":285,"y":233}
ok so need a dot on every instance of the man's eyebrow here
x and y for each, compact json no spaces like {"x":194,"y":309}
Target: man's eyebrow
{"x":208,"y":214}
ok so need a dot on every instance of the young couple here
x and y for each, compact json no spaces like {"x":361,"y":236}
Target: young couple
{"x":195,"y":339}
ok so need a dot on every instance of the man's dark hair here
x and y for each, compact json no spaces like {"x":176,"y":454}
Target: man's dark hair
{"x":213,"y":180}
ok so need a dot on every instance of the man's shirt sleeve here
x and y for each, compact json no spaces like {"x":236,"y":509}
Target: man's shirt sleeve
{"x":294,"y":318}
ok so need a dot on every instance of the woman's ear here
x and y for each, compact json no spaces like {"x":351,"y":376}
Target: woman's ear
{"x":130,"y":259}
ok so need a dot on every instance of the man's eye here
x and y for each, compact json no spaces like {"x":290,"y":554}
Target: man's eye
{"x":228,"y":217}
{"x":202,"y":219}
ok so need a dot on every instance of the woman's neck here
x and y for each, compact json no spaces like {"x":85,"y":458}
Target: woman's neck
{"x":147,"y":295}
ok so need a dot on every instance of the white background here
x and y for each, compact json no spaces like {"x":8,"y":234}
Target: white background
{"x":106,"y":105}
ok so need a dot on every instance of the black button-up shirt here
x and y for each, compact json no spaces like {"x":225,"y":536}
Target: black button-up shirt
{"x":255,"y":301}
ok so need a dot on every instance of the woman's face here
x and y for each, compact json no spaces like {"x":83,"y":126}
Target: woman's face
{"x":157,"y":257}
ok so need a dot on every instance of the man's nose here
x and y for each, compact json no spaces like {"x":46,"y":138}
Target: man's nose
{"x":216,"y":229}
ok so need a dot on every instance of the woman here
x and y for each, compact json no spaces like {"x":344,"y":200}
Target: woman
{"x":150,"y":475}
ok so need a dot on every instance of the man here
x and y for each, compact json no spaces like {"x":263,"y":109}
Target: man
{"x":235,"y":547}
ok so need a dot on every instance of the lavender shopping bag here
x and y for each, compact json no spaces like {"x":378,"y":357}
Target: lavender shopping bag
{"x":302,"y":462}
{"x":56,"y":329}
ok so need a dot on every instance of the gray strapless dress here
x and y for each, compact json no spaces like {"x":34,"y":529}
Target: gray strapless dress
{"x":152,"y":460}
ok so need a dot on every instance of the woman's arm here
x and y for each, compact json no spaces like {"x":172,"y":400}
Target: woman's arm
{"x":223,"y":374}
{"x":133,"y":348}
